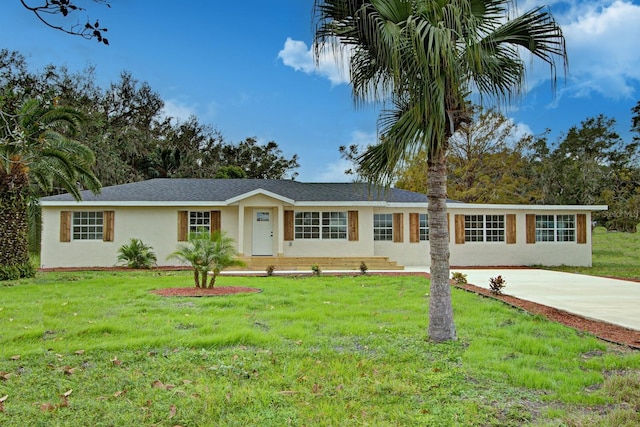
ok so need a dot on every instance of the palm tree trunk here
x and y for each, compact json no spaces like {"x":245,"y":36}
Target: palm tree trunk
{"x":212,"y":282}
{"x":203,"y":278}
{"x":441,"y":325}
{"x":196,"y":277}
{"x":14,"y":224}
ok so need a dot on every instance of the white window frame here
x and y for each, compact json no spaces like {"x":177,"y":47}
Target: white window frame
{"x":423,"y":221}
{"x":559,"y":228}
{"x":383,"y":227}
{"x":306,"y":225}
{"x":484,"y":228}
{"x":87,"y":225}
{"x":334,"y":225}
{"x":329,"y":225}
{"x":199,"y":222}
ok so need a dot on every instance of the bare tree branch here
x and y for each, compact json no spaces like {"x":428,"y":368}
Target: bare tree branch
{"x":52,"y":11}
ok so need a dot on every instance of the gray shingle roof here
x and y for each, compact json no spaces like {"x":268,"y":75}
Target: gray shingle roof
{"x":220,"y":190}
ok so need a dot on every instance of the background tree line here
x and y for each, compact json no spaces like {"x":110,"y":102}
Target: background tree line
{"x":59,"y":131}
{"x":490,"y":161}
{"x":132,"y":138}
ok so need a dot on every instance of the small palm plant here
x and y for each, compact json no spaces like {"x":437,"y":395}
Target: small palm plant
{"x":136,"y":254}
{"x":207,"y":254}
{"x":224,"y":255}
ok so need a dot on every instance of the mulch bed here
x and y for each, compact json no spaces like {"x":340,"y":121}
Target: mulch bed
{"x":603,"y":330}
{"x":200,"y":292}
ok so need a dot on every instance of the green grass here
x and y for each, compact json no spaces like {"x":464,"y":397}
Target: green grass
{"x":614,"y":255}
{"x":306,"y":351}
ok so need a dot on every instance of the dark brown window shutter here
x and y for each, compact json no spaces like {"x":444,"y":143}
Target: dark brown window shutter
{"x":353,"y":226}
{"x":108,"y":226}
{"x":216,"y":221}
{"x":581,"y":225}
{"x":511,"y":229}
{"x":531,"y":228}
{"x":183,"y":226}
{"x":65,"y":226}
{"x":288,"y":225}
{"x":414,"y":227}
{"x":459,"y":224}
{"x":398,"y":236}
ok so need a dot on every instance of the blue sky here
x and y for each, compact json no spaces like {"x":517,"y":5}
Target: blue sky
{"x":248,"y":70}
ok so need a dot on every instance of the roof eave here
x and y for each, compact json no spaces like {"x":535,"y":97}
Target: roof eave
{"x":459,"y":205}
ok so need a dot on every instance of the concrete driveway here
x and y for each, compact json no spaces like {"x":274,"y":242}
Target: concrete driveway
{"x":610,"y":300}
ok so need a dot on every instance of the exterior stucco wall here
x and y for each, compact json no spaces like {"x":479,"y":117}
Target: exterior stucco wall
{"x":335,"y":247}
{"x":155,"y":226}
{"x":404,"y":253}
{"x":520,"y":253}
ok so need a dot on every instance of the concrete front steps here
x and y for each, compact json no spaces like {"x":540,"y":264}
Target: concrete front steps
{"x":260,"y":263}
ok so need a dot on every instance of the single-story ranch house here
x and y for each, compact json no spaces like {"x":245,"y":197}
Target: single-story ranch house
{"x":279,"y":220}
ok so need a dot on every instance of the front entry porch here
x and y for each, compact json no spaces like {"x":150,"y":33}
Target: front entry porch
{"x":260,"y":263}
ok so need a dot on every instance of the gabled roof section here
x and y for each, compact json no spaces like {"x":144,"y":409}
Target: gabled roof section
{"x":165,"y":191}
{"x":257,"y":192}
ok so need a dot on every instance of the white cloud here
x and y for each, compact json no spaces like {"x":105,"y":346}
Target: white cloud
{"x":179,"y":111}
{"x":521,"y":130}
{"x":362,"y":139}
{"x":601,"y":39}
{"x":335,"y":171}
{"x":603,"y":51}
{"x":331,"y":64}
{"x":176,"y":110}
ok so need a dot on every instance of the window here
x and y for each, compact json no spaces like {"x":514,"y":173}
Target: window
{"x":334,"y":225}
{"x":473,"y":228}
{"x":484,"y":228}
{"x":199,"y":222}
{"x":87,"y":225}
{"x":320,"y":225}
{"x":383,"y":227}
{"x":555,"y":228}
{"x":307,"y":225}
{"x":494,"y":228}
{"x":566,"y":228}
{"x":424,"y":227}
{"x":545,"y":226}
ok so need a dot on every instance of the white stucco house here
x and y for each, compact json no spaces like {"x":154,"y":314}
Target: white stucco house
{"x":282,"y":219}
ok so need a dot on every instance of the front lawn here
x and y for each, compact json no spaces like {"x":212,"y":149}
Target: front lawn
{"x":97,"y":348}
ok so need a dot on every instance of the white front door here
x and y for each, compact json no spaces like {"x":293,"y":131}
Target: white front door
{"x":262,"y":232}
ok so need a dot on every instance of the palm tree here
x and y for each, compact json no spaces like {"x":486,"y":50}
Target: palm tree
{"x":425,"y":57}
{"x":208,"y":253}
{"x":35,"y":155}
{"x":224,"y":249}
{"x":196,"y":253}
{"x":137,"y":254}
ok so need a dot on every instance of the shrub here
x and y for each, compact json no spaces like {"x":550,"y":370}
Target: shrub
{"x":315,"y":268}
{"x":459,"y":278}
{"x":270,"y":269}
{"x":137,"y":255}
{"x":363,"y":267}
{"x":496,"y":284}
{"x":14,"y":272}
